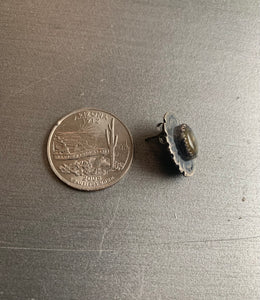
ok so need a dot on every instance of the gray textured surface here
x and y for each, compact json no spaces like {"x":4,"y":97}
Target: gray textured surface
{"x":153,"y":235}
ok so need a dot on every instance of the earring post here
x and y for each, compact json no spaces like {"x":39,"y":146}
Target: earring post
{"x":153,"y":137}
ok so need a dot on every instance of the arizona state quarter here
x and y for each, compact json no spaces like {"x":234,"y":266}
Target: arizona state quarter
{"x":90,"y":149}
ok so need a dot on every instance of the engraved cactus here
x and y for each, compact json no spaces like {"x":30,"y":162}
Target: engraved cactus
{"x":111,"y":142}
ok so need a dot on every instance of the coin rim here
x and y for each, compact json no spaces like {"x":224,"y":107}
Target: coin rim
{"x":74,"y":185}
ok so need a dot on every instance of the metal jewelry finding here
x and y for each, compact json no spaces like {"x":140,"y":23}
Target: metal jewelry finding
{"x":181,"y":143}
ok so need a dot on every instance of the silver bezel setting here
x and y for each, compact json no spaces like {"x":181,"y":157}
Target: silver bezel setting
{"x":185,"y":167}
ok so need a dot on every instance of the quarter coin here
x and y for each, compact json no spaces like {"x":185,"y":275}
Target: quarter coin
{"x":90,"y":149}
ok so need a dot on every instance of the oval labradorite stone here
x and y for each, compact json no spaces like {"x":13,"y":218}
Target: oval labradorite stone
{"x":186,"y":142}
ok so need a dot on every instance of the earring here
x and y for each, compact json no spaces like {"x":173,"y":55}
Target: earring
{"x":181,"y":143}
